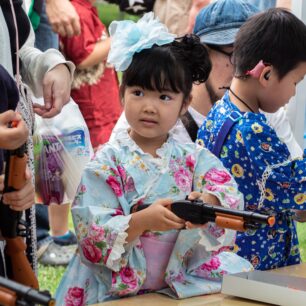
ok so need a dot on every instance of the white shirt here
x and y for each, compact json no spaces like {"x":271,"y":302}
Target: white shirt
{"x":179,"y":131}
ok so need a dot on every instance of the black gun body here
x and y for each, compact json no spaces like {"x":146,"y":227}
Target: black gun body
{"x":25,"y":295}
{"x":201,"y":213}
{"x":198,"y":212}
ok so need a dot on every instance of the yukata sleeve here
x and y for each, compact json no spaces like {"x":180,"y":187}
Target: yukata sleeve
{"x":101,"y":218}
{"x":210,"y":176}
{"x":281,"y":180}
{"x":202,"y":257}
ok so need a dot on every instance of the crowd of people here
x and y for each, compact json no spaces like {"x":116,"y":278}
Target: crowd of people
{"x":199,"y":113}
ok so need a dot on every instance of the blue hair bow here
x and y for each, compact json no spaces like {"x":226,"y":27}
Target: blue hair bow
{"x":128,"y":37}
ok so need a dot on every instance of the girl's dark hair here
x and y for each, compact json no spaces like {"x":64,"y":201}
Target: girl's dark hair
{"x":175,"y":67}
{"x":275,"y":36}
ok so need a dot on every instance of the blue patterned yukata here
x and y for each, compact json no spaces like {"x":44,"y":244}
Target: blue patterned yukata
{"x":122,"y":175}
{"x":270,"y":181}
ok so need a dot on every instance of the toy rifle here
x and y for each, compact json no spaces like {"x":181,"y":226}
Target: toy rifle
{"x":12,"y":293}
{"x":17,"y":264}
{"x":198,"y":212}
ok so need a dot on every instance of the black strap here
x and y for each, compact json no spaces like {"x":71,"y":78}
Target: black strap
{"x":190,"y":125}
{"x":224,"y":131}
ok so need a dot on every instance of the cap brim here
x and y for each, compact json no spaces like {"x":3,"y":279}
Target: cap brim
{"x":222,"y":37}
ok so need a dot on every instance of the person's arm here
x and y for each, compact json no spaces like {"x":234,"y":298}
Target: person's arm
{"x":47,"y":74}
{"x":63,"y":17}
{"x":98,"y":55}
{"x":197,"y":5}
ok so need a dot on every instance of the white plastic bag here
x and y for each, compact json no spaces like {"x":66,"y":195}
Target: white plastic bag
{"x":61,"y":150}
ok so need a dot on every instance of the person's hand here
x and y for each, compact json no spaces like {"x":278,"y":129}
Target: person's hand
{"x":23,"y":198}
{"x":1,"y":182}
{"x":157,"y":217}
{"x":206,"y":198}
{"x":63,"y":17}
{"x":12,"y":138}
{"x":56,"y":91}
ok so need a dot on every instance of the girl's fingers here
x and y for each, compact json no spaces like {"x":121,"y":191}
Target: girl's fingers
{"x":173,"y":217}
{"x":190,"y":225}
{"x":174,"y":225}
{"x":194,"y":195}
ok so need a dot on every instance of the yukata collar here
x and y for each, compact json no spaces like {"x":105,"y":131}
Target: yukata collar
{"x":124,"y":140}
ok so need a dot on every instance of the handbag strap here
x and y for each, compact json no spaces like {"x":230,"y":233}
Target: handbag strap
{"x":190,"y":126}
{"x":226,"y":127}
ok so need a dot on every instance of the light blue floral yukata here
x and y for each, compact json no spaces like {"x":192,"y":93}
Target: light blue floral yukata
{"x":270,"y":181}
{"x":122,"y":175}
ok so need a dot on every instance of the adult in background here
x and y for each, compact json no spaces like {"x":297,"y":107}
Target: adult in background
{"x":216,"y":25}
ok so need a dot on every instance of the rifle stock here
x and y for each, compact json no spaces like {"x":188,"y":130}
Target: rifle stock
{"x":18,"y":267}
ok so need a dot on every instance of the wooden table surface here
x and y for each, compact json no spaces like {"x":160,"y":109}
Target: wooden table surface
{"x":153,"y":299}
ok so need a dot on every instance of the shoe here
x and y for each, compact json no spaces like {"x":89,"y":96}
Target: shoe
{"x":67,"y":239}
{"x":42,"y":246}
{"x":57,"y":255}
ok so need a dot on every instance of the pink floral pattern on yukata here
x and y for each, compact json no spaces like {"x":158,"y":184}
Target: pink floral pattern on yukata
{"x":75,"y":297}
{"x":183,"y":179}
{"x":126,"y":281}
{"x":210,"y":269}
{"x":190,"y":162}
{"x":115,"y":185}
{"x":216,"y":176}
{"x":95,"y":245}
{"x":174,"y":276}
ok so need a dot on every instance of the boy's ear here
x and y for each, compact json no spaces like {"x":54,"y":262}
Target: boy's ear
{"x":265,"y":76}
{"x":185,"y":105}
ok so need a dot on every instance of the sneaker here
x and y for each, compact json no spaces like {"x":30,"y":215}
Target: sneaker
{"x":56,"y":255}
{"x":67,"y":239}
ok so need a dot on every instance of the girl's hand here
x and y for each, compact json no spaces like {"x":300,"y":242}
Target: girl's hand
{"x":206,"y":198}
{"x":23,"y":198}
{"x":12,"y":138}
{"x":157,"y":217}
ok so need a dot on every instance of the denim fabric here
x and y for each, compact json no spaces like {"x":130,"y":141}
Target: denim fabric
{"x":219,"y":22}
{"x":45,"y":38}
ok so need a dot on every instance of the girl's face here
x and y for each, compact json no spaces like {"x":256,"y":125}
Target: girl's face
{"x":279,"y":92}
{"x":152,"y":114}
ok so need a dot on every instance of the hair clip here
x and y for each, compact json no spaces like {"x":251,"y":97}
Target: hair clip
{"x":257,"y":70}
{"x":129,"y":37}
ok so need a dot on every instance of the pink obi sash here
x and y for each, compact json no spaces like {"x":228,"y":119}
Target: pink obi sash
{"x":157,"y":251}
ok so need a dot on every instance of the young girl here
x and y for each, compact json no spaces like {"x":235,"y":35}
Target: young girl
{"x":123,"y":252}
{"x":269,"y":60}
{"x":95,"y":85}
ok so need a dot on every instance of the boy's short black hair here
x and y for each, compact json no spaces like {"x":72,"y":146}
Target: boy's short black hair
{"x":275,"y":36}
{"x":173,"y":67}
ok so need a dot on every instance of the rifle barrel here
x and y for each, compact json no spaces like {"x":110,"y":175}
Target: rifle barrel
{"x":27,"y":294}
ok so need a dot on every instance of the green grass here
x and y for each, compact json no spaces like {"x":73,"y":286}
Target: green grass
{"x":301,"y":228}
